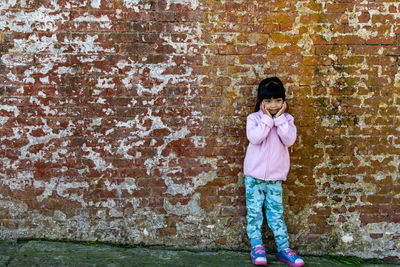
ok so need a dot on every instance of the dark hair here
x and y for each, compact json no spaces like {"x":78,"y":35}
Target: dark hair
{"x":269,"y":88}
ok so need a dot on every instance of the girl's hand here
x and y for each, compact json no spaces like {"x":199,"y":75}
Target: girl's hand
{"x":265,"y":110}
{"x":282,"y":110}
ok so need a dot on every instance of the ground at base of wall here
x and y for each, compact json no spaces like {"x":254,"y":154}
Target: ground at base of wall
{"x":49,"y":253}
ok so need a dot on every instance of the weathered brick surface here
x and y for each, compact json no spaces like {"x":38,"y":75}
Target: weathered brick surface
{"x":124,"y":121}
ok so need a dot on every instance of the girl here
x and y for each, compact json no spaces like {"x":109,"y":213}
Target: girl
{"x":270,"y":132}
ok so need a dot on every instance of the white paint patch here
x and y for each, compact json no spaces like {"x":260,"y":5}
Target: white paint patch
{"x":397,"y":80}
{"x":118,"y":12}
{"x":131,"y":3}
{"x":189,"y":187}
{"x":100,"y":163}
{"x":10,"y":109}
{"x":116,"y":213}
{"x":96,"y":122}
{"x":6,"y":4}
{"x":192,"y":208}
{"x":86,"y":58}
{"x":198,"y":141}
{"x":157,"y":74}
{"x":41,"y":19}
{"x":3,"y":120}
{"x":34,"y":45}
{"x":17,"y":59}
{"x":95,"y":3}
{"x":65,"y":70}
{"x":193,"y":3}
{"x":41,"y":94}
{"x":59,"y":216}
{"x":128,"y":184}
{"x":12,"y":77}
{"x":105,"y":83}
{"x":306,"y":44}
{"x":108,"y":111}
{"x":46,"y":108}
{"x":14,"y":209}
{"x":101,"y":100}
{"x":133,"y":102}
{"x":134,"y":4}
{"x":22,"y":179}
{"x":347,"y":238}
{"x":180,"y":47}
{"x":82,"y":45}
{"x":45,"y":80}
{"x":109,"y":132}
{"x":151,"y":162}
{"x":104,"y":21}
{"x":110,"y":203}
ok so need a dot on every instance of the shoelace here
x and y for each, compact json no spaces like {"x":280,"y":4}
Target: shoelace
{"x":259,"y":250}
{"x":290,"y":252}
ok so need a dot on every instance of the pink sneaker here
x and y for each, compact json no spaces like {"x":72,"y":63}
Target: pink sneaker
{"x":290,"y":257}
{"x":258,"y":255}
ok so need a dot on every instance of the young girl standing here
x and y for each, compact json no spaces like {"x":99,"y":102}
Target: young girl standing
{"x":270,"y":132}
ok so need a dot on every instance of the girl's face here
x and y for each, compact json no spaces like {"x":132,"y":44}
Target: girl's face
{"x":273,"y":105}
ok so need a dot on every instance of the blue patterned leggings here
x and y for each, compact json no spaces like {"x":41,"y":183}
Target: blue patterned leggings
{"x":269,"y":194}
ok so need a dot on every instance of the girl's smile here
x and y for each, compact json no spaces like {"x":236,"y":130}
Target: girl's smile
{"x":273,"y":105}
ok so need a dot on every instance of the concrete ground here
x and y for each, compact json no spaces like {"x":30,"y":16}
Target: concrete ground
{"x":48,"y":253}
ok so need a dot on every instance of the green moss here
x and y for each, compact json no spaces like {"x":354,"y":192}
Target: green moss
{"x":356,"y":260}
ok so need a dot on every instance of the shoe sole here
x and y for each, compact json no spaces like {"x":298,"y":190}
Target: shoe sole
{"x":259,"y":262}
{"x":291,"y":264}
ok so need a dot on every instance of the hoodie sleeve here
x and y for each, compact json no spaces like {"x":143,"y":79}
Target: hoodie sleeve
{"x":257,"y":130}
{"x":286,"y":129}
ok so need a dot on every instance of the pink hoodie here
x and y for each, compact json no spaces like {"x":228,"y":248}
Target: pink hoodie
{"x":267,"y":155}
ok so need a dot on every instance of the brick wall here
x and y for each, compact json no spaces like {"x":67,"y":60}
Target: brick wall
{"x":124,"y":121}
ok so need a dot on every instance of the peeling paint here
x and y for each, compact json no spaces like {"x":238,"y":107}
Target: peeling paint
{"x":193,"y":3}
